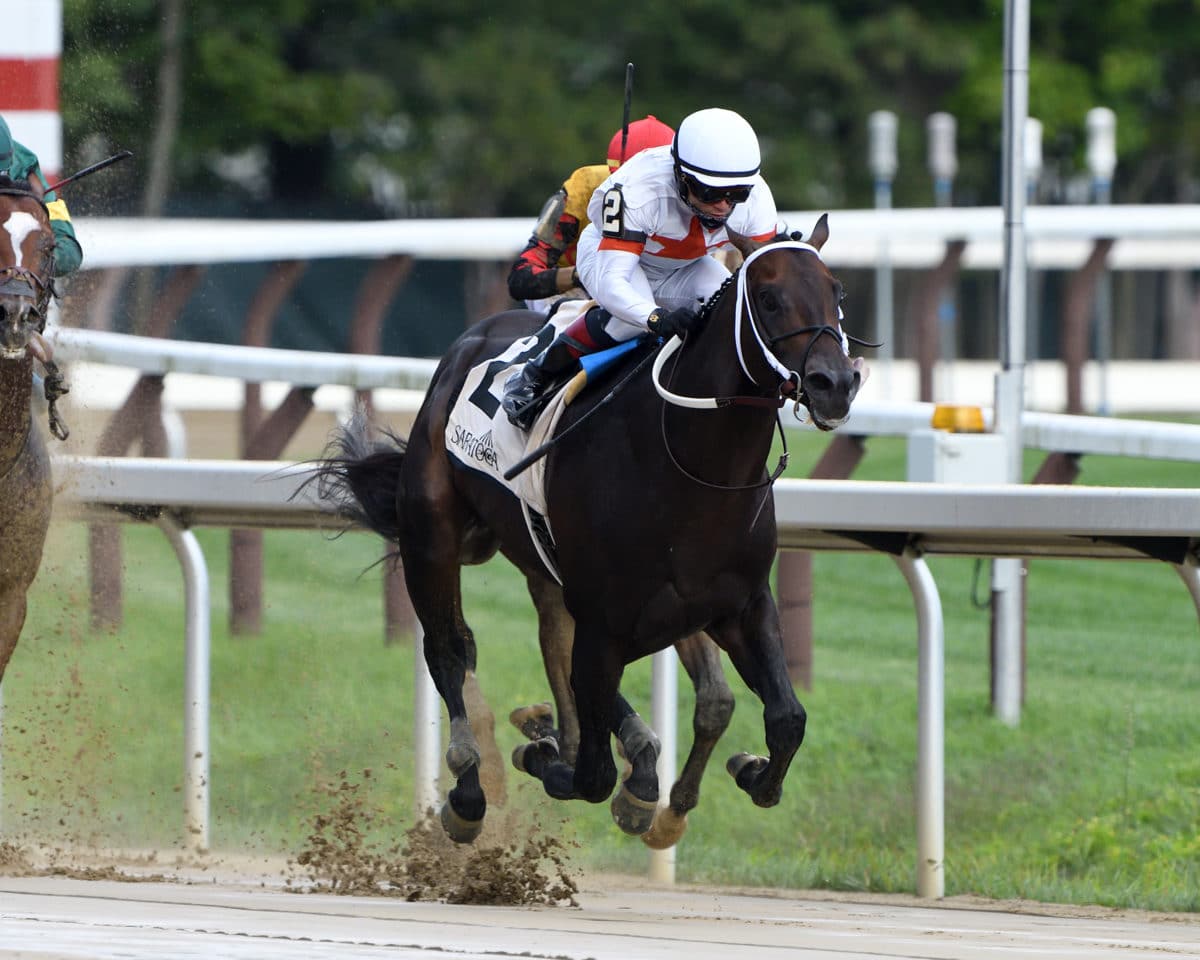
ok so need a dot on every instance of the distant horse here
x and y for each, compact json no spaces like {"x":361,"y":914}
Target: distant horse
{"x":662,"y":517}
{"x":26,"y":266}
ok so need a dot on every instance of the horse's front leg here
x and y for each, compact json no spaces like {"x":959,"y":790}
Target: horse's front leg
{"x":596,"y":670}
{"x":636,"y":803}
{"x":714,"y":708}
{"x":754,"y":644}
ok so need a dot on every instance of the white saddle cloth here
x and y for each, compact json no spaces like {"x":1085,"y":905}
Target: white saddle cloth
{"x":479,"y":436}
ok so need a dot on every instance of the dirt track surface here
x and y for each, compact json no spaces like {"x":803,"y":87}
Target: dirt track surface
{"x":212,"y":914}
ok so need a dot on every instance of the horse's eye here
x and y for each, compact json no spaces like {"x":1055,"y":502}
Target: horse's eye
{"x":768,"y":301}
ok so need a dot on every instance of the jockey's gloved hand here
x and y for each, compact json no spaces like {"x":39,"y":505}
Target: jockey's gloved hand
{"x":669,"y":323}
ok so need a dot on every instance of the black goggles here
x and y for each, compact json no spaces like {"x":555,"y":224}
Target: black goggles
{"x":708,"y":194}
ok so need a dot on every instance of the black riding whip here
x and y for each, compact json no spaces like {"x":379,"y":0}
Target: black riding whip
{"x":94,"y":168}
{"x":628,"y":102}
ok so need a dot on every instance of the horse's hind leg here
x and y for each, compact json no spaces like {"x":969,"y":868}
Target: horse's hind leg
{"x":555,"y":634}
{"x":714,"y":708}
{"x":429,"y":545}
{"x":449,"y":655}
{"x":754,"y":645}
{"x":483,"y":724}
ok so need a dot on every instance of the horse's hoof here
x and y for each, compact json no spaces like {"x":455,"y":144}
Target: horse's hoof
{"x":458,"y":829}
{"x":559,"y":781}
{"x":534,"y":722}
{"x":632,"y":814}
{"x":518,"y":757}
{"x":534,"y":758}
{"x":666,"y":831}
{"x":744,"y":767}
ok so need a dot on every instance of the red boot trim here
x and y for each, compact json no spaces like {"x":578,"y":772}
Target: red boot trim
{"x":580,"y":339}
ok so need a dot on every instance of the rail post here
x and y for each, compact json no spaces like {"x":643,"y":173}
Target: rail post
{"x":943,"y":166}
{"x":1102,"y":162}
{"x":882,"y":127}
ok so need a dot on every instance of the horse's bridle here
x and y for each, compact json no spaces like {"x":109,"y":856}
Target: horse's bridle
{"x":743,"y":309}
{"x":786,"y":375}
{"x":24,"y":282}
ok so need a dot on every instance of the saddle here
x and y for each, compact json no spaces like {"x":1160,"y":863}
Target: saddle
{"x":479,"y":436}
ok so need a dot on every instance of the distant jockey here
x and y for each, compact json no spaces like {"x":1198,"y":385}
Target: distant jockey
{"x":545,"y":270}
{"x":21,"y":165}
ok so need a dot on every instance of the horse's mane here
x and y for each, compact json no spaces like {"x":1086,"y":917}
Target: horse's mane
{"x":710,"y":304}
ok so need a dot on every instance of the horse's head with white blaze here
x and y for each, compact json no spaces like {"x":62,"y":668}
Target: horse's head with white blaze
{"x":26,"y":268}
{"x":787,"y":326}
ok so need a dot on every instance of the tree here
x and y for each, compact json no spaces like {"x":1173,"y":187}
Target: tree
{"x":468,"y":108}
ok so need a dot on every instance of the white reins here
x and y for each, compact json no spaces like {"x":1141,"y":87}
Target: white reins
{"x":742,"y":310}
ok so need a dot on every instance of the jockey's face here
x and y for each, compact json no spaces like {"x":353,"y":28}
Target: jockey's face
{"x":718,"y":211}
{"x":716,"y":203}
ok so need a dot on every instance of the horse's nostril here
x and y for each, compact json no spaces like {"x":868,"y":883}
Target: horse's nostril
{"x":817,"y":382}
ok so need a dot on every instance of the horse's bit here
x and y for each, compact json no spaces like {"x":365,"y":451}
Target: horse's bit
{"x":23,"y":282}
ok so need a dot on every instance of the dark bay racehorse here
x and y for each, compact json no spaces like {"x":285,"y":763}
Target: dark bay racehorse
{"x":26,"y":265}
{"x":661,"y":510}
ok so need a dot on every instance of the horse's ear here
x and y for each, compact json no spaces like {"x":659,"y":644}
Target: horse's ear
{"x":744,"y":245}
{"x":820,"y":232}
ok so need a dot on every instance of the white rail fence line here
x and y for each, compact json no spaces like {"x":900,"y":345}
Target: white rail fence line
{"x":1159,"y":237}
{"x":917,"y":519}
{"x":1043,"y":431}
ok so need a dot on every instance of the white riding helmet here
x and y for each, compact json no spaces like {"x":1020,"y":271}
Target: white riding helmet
{"x":717,"y":147}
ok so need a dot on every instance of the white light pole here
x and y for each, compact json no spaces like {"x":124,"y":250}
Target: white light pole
{"x":1033,"y":173}
{"x":1102,"y":161}
{"x":1010,"y":381}
{"x":941,"y":130}
{"x":881,"y":126}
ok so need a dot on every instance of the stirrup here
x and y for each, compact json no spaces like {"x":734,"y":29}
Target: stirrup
{"x":524,"y":398}
{"x":525,"y":415}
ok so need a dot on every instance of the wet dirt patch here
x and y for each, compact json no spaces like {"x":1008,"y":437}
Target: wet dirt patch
{"x":18,"y":860}
{"x":521,"y":867}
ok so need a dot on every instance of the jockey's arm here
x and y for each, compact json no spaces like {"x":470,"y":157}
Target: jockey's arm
{"x":536,"y":275}
{"x":621,"y":285}
{"x":68,"y":255}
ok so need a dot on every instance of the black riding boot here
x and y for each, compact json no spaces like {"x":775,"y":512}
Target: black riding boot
{"x":525,"y":391}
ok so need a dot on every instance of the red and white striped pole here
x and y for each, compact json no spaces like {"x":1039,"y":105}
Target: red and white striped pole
{"x":30,"y":48}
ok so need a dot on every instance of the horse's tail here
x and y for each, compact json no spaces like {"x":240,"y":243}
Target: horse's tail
{"x":361,"y":474}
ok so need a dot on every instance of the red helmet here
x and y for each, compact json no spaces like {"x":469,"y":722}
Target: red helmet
{"x":645,"y":133}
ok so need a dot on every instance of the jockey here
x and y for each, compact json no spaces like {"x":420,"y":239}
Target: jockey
{"x":20,"y":163}
{"x":545,"y":270}
{"x":644,"y":256}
